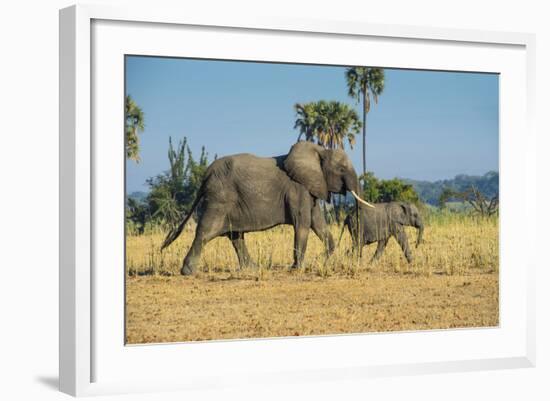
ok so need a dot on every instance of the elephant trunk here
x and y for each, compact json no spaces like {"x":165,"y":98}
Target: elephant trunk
{"x":352,"y":184}
{"x":420,"y":228}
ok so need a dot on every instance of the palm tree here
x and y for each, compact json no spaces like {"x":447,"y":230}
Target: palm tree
{"x":364,"y":83}
{"x":306,"y":116}
{"x":336,"y":123}
{"x":134,"y":123}
{"x":330,"y":123}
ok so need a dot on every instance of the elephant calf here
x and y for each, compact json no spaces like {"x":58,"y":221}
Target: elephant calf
{"x":382,"y":222}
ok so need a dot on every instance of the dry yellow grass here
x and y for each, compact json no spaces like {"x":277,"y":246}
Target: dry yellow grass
{"x":453,"y":282}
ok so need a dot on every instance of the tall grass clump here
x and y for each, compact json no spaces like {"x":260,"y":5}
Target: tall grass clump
{"x":454,"y":244}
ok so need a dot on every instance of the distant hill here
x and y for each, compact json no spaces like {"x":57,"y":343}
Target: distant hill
{"x":138,"y":195}
{"x":429,"y":192}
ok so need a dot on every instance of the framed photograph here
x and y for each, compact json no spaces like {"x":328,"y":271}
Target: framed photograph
{"x":275,"y":200}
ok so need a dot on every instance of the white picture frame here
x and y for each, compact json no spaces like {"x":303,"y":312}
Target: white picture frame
{"x":93,"y":358}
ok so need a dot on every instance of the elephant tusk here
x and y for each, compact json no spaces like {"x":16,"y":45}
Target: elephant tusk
{"x":361,"y":200}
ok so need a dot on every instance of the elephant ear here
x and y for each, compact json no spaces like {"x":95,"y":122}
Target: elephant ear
{"x":303,"y":164}
{"x":404,"y":215}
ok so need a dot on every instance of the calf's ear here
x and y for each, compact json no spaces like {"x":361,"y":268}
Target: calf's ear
{"x":401,"y":213}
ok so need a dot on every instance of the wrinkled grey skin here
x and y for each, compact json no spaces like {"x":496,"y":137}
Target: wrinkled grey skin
{"x":382,"y":222}
{"x":244,"y":193}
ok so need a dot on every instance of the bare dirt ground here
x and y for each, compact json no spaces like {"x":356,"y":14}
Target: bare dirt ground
{"x":173,"y":309}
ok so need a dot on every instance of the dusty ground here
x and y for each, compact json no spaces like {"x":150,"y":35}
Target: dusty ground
{"x":171,"y":309}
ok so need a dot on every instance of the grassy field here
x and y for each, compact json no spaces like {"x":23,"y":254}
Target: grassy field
{"x":453,"y":282}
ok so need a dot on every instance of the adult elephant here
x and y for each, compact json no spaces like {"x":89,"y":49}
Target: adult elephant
{"x":382,"y":222}
{"x":244,"y":193}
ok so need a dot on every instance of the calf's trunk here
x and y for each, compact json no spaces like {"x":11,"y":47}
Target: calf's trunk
{"x":420,"y":233}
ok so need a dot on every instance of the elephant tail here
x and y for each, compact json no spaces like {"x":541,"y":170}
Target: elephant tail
{"x":174,"y":233}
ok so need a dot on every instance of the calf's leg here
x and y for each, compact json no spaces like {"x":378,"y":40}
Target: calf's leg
{"x":401,"y":237}
{"x":379,"y":249}
{"x":237,"y":240}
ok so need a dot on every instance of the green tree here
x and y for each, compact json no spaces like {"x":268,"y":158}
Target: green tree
{"x":331,"y":123}
{"x":173,"y":192}
{"x":134,"y":123}
{"x":306,"y":116}
{"x":363,"y":84}
{"x":138,"y":213}
{"x":394,"y":190}
{"x":480,"y":203}
{"x":370,"y":185}
{"x":446,"y":195}
{"x":197,"y":172}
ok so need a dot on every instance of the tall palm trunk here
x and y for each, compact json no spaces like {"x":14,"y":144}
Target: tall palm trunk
{"x":364,"y":131}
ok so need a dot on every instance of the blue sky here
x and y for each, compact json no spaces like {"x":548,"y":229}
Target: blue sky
{"x":427,"y":125}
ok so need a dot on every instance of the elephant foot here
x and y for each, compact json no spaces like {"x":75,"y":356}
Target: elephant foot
{"x":251,"y":265}
{"x":186,"y":270}
{"x":248,"y":264}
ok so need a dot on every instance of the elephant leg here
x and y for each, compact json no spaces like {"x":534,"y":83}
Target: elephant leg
{"x":301,"y":233}
{"x":358,"y":237}
{"x":209,"y":227}
{"x":301,"y":220}
{"x":320,"y":228}
{"x":401,"y":237}
{"x":380,"y":249}
{"x":357,"y":241}
{"x":237,"y":240}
